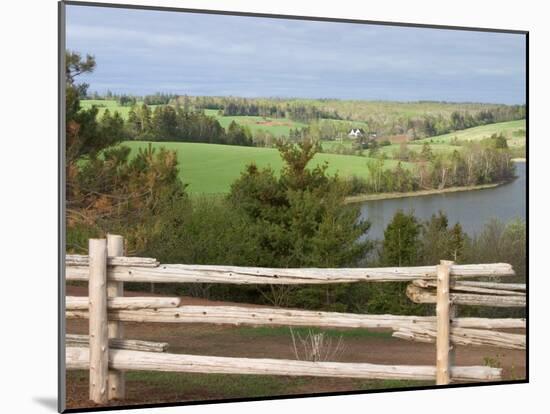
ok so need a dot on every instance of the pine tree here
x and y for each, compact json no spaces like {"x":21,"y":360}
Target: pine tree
{"x":401,"y":244}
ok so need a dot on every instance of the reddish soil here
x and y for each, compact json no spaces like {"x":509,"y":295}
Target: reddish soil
{"x":206,"y":339}
{"x":273,"y":123}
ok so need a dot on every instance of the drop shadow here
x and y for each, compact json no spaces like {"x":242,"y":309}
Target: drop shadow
{"x":47,"y":402}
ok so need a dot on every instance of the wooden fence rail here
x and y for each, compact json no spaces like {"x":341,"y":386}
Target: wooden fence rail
{"x":254,"y":316}
{"x":78,"y":358}
{"x":420,"y":295}
{"x":82,"y":303}
{"x":464,"y":336}
{"x":108,"y":354}
{"x":178,"y":273}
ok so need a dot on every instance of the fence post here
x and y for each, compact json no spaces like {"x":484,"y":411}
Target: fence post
{"x":443,"y":310}
{"x":99,"y":339}
{"x":117,"y":383}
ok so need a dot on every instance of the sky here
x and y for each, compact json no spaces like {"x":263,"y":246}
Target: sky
{"x":142,"y":52}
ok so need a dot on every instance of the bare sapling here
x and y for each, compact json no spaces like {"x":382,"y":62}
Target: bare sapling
{"x":316,"y":347}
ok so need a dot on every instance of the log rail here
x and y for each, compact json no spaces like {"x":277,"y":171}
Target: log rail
{"x":78,"y":358}
{"x":253,"y":316}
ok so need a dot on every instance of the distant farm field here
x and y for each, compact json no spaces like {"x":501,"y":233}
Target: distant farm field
{"x":514,"y":131}
{"x":211,"y":168}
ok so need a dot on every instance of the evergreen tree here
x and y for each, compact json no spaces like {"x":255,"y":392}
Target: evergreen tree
{"x":401,"y":244}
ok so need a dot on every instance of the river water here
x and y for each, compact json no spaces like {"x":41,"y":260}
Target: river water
{"x":472,"y":209}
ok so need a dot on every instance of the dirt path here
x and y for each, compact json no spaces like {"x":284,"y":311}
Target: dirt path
{"x":217,"y":340}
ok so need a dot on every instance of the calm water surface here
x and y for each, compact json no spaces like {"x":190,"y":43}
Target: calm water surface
{"x":472,"y":209}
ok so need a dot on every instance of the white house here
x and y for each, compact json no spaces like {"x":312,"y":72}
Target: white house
{"x":355,"y":133}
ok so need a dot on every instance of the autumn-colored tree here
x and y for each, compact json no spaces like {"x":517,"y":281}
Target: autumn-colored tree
{"x":107,"y":190}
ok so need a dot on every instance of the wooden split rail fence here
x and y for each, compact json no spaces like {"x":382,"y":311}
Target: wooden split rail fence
{"x":107,"y":354}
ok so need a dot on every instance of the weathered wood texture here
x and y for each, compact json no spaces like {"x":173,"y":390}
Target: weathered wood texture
{"x":99,"y":339}
{"x":489,"y":323}
{"x":240,"y":315}
{"x":116,"y":381}
{"x":77,"y":358}
{"x":465,"y":287}
{"x":464,"y":336}
{"x":129,"y":303}
{"x":73,"y":340}
{"x":443,"y":324}
{"x":494,"y":285}
{"x":420,"y":295}
{"x":72,"y":260}
{"x":179,"y":273}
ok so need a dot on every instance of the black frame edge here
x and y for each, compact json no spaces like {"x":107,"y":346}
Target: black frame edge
{"x":61,"y":324}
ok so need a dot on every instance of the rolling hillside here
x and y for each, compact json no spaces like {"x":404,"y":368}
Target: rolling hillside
{"x":210,"y":168}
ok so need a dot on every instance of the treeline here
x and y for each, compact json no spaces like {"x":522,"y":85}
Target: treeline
{"x":415,"y":119}
{"x":475,"y":165}
{"x":158,"y":98}
{"x":409,"y":241}
{"x":168,"y":123}
{"x":295,"y":111}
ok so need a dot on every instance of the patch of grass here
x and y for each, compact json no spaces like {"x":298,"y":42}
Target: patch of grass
{"x":388,"y":384}
{"x":331,"y":145}
{"x":495,"y":362}
{"x":217,"y":385}
{"x":514,"y":131}
{"x":263,"y":331}
{"x":190,"y":386}
{"x":212,"y":168}
{"x":111,"y":105}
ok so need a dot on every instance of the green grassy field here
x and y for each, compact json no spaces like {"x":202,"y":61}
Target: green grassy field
{"x":210,"y":168}
{"x":514,"y":131}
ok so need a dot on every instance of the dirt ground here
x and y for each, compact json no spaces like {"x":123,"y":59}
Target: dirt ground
{"x":216,"y":340}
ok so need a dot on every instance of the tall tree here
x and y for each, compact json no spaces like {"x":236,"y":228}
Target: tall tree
{"x":106,"y":189}
{"x":401,"y":243}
